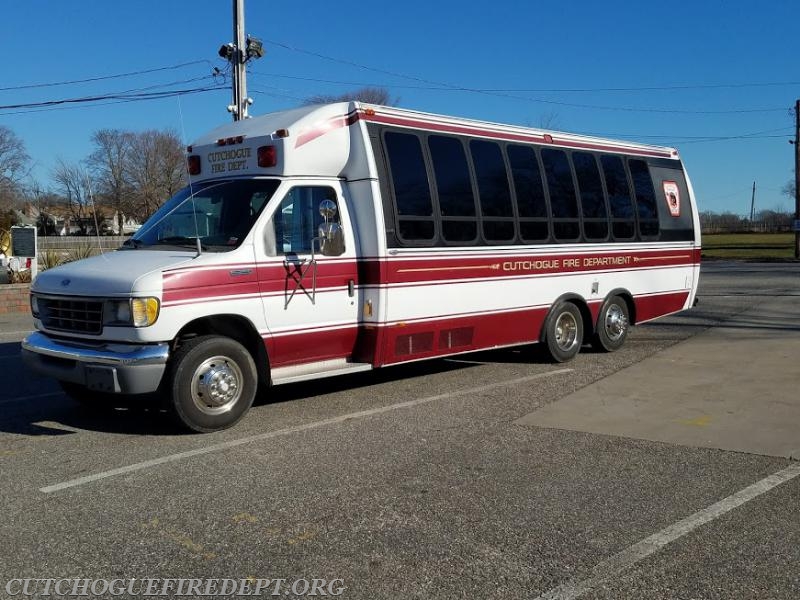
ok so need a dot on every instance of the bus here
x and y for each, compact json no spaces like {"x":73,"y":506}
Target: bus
{"x":340,"y":238}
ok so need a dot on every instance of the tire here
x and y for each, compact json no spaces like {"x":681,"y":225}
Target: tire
{"x":91,"y":399}
{"x":212,"y":383}
{"x":563,"y":334}
{"x":613,"y":324}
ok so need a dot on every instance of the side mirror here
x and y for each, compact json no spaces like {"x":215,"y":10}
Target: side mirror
{"x":328,"y":210}
{"x":331,"y":235}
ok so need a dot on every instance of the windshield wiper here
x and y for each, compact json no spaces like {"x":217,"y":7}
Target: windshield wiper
{"x":133,"y":243}
{"x":182,"y":240}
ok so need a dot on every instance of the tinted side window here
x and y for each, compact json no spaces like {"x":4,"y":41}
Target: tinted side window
{"x":593,"y":202}
{"x":297,"y":219}
{"x":646,"y":208}
{"x":619,"y":197}
{"x":497,"y":214}
{"x":563,"y":202}
{"x":454,"y":188}
{"x":529,"y":190}
{"x":412,"y":194}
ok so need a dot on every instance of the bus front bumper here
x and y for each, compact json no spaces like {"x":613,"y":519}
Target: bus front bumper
{"x":110,"y":367}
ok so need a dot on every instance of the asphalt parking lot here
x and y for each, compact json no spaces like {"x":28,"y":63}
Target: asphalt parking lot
{"x":664,"y":470}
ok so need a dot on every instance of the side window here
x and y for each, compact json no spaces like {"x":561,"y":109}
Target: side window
{"x":297,"y":219}
{"x":593,"y":202}
{"x":454,"y":187}
{"x":619,"y":197}
{"x":412,"y":192}
{"x":563,"y":202}
{"x":497,"y":214}
{"x":645,"y":198}
{"x":529,"y":189}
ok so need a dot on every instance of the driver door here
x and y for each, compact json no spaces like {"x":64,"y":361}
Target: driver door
{"x":310,"y":300}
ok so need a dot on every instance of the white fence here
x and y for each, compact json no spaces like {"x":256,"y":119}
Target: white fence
{"x":69,"y":243}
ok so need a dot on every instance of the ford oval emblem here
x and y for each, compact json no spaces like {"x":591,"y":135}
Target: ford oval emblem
{"x":65,"y":282}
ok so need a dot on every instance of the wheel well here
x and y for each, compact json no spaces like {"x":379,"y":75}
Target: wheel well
{"x":235,"y":327}
{"x":586,"y":315}
{"x":628,"y":297}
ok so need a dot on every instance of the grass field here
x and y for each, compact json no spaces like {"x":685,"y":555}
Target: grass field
{"x":748,"y":245}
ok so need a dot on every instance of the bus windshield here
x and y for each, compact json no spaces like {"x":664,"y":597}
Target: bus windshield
{"x":218,"y":214}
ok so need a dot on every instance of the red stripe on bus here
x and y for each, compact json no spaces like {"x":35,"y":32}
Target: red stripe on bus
{"x":507,"y":135}
{"x":444,"y":336}
{"x":373,"y":117}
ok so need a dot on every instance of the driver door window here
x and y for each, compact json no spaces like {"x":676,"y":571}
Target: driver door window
{"x":297,"y":219}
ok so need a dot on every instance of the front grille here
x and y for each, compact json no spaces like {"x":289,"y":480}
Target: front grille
{"x":72,"y":315}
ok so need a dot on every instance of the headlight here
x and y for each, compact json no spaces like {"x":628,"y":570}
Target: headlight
{"x":144,"y":311}
{"x":136,"y":312}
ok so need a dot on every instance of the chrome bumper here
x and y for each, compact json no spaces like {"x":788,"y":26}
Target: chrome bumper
{"x":107,"y":367}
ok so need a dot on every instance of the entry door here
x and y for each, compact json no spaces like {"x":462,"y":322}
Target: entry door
{"x":310,"y":300}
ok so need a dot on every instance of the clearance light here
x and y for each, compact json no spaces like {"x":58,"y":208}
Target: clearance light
{"x":282,"y":133}
{"x":193,"y":164}
{"x":548,"y":138}
{"x":230,"y":141}
{"x":267,"y":156}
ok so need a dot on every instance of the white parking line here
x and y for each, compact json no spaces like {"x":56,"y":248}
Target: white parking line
{"x":288,"y":431}
{"x":650,"y":545}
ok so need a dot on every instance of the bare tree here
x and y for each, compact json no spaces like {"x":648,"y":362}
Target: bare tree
{"x":371,"y":95}
{"x":789,"y":189}
{"x":156,"y":169}
{"x":72,"y":180}
{"x":109,"y":163}
{"x":549,"y":120}
{"x":14,"y":165}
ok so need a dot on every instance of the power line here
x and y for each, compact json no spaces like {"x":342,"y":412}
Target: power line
{"x":541,"y":90}
{"x":103,"y":77}
{"x":443,"y":85}
{"x":127,"y":96}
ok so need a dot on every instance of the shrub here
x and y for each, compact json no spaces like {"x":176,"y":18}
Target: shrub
{"x":49,"y":259}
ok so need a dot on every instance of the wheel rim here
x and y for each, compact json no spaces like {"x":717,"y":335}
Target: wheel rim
{"x":616,"y":322}
{"x":566,"y":332}
{"x":217,"y":385}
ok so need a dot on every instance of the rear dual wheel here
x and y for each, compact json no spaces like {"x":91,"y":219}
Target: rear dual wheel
{"x":613,"y":324}
{"x":563,"y":334}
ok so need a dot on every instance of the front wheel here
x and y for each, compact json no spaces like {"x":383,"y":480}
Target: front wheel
{"x":613,"y":325}
{"x":213,"y":382}
{"x":563,"y":334}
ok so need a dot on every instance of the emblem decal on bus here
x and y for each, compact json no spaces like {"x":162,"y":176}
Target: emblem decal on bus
{"x":673,"y":197}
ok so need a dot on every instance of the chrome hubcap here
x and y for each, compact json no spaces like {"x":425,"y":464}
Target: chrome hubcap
{"x":566,"y":331}
{"x":616,"y":322}
{"x":216,"y":385}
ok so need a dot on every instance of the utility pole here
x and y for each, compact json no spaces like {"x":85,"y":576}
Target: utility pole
{"x":238,"y":52}
{"x":797,"y":180}
{"x":753,"y":206}
{"x":239,"y":71}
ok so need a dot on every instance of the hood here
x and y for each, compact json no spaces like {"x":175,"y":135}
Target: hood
{"x":119,"y":273}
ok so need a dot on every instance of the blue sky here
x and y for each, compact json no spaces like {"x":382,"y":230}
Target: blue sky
{"x":580,"y":66}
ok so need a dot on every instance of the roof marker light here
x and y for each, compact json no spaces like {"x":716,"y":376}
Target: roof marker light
{"x":282,"y":133}
{"x":548,"y":138}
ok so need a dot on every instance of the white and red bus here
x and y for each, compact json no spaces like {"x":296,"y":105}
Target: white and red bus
{"x":345,"y":237}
